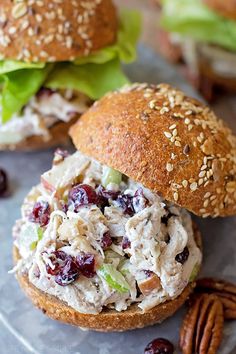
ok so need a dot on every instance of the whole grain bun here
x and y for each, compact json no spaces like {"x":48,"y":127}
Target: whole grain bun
{"x":107,"y":320}
{"x":52,"y":30}
{"x":226,"y":8}
{"x":171,"y":143}
{"x":58,"y":135}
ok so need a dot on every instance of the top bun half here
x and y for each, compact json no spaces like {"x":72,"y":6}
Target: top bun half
{"x":55,"y":30}
{"x":225,"y":8}
{"x":171,"y":143}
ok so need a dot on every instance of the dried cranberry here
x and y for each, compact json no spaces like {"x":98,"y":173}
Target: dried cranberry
{"x":60,"y":255}
{"x":139,"y":200}
{"x":125,"y":201}
{"x":183,"y":256}
{"x":107,"y":194}
{"x":53,"y":271}
{"x":59,"y":156}
{"x":159,"y":346}
{"x":72,"y":114}
{"x":45,"y":92}
{"x":57,"y":259}
{"x":64,"y":268}
{"x":106,"y":240}
{"x":64,"y":206}
{"x":3,"y":182}
{"x":62,"y":153}
{"x":37,"y":272}
{"x":102,"y":200}
{"x":82,"y":194}
{"x":68,"y":273}
{"x":86,"y":264}
{"x":148,"y":273}
{"x":40,"y":213}
{"x":125,"y":243}
{"x":104,"y":195}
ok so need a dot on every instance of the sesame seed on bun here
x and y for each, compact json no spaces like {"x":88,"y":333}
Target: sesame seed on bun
{"x":169,"y":142}
{"x":55,"y":30}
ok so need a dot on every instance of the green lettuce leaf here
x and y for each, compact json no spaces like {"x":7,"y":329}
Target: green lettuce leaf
{"x":92,"y":79}
{"x":125,"y":47}
{"x":194,"y":19}
{"x":7,"y":66}
{"x":19,"y":86}
{"x":93,"y":75}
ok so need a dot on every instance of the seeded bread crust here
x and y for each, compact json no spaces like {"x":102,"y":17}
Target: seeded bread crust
{"x":51,"y":30}
{"x":171,"y":143}
{"x":226,"y":8}
{"x":58,"y":136}
{"x":107,"y":320}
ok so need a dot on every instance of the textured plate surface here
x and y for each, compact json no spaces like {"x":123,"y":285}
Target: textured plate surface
{"x":24,"y":329}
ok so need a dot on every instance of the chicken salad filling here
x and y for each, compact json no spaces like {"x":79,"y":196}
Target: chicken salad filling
{"x":44,"y":110}
{"x":96,"y":239}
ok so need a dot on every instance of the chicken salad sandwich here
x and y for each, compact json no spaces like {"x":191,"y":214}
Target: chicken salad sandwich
{"x":205,"y":33}
{"x":56,"y":58}
{"x":106,"y":240}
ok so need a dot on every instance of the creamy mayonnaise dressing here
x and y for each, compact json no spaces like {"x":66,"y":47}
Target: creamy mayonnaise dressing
{"x":157,"y":232}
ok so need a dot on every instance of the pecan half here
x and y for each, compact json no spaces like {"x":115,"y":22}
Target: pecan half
{"x":226,"y":291}
{"x":202,"y":328}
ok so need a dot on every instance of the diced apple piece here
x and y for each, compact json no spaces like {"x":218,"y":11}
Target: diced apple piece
{"x":64,"y":174}
{"x":149,"y":284}
{"x":46,"y":184}
{"x":68,"y":230}
{"x":72,"y":231}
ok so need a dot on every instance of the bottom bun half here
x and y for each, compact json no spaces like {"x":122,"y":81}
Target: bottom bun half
{"x":107,"y":320}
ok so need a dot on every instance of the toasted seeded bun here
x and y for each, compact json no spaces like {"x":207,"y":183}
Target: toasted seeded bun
{"x":226,"y":8}
{"x":51,"y":30}
{"x":58,"y":136}
{"x":171,"y":143}
{"x":107,"y":320}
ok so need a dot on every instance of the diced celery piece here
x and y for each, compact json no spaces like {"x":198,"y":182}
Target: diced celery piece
{"x":113,"y":278}
{"x":111,"y":176}
{"x":124,"y":266}
{"x":30,"y":235}
{"x":33,"y":245}
{"x":40,"y":233}
{"x":194,"y":273}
